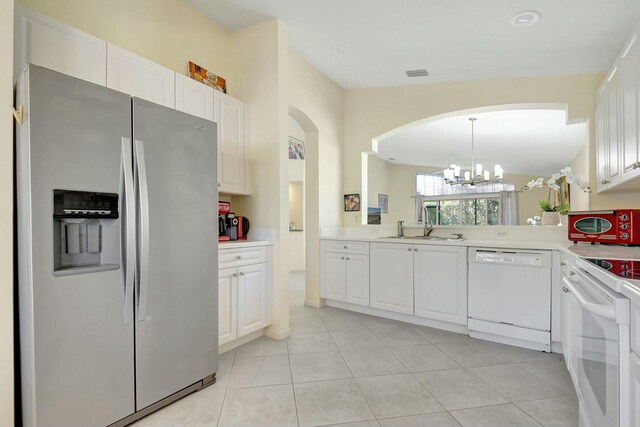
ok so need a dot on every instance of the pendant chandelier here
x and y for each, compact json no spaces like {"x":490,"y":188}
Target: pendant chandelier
{"x":453,"y":175}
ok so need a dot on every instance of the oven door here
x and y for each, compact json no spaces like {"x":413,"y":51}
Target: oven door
{"x":595,"y":351}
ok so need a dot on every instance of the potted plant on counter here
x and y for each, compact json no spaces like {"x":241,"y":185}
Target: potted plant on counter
{"x":557,"y":202}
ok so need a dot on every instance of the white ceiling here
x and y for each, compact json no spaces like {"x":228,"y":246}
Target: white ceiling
{"x":455,"y":40}
{"x":524,"y":142}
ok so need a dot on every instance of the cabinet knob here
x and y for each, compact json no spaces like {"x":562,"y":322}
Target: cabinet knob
{"x":239,"y":257}
{"x":242,"y":273}
{"x":235,"y":274}
{"x":572,"y":273}
{"x":604,"y":181}
{"x":562,"y":263}
{"x":219,"y":185}
{"x":636,"y":165}
{"x":565,"y":290}
{"x":415,"y":249}
{"x":409,"y":249}
{"x":342,"y":258}
{"x":345,"y":246}
{"x":347,"y":258}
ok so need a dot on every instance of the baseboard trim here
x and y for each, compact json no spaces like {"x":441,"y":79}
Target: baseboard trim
{"x":278,"y":335}
{"x":313,"y":304}
{"x":238,"y":342}
{"x":452,"y":327}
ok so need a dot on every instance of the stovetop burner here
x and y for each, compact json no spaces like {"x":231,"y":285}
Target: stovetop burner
{"x":625,"y":268}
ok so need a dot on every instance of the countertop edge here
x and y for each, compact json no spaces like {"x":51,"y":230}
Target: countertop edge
{"x":512,"y":244}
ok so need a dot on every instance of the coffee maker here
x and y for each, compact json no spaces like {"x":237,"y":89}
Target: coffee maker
{"x":231,"y":223}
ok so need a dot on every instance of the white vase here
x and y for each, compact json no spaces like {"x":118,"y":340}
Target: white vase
{"x":550,"y":218}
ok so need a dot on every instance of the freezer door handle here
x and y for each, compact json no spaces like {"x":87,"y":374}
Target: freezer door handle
{"x":143,"y":232}
{"x":129,"y":230}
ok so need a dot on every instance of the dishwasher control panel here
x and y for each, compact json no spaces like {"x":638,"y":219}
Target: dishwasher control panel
{"x":517,"y":258}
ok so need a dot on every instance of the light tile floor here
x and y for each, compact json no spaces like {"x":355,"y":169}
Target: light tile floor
{"x":345,"y":369}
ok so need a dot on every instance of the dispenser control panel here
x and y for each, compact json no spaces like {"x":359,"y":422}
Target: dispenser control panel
{"x":84,"y":204}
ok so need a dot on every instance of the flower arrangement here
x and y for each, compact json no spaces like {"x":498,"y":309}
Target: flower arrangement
{"x":556,"y":184}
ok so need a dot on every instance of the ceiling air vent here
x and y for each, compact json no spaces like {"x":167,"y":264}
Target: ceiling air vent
{"x":417,"y":73}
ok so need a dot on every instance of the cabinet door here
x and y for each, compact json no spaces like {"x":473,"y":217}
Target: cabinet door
{"x":46,"y":42}
{"x":230,"y":115}
{"x":614,"y":120}
{"x":635,"y":391}
{"x":139,"y":77}
{"x":391,"y":277}
{"x":227,"y":315}
{"x":357,"y":267}
{"x":252,"y":298}
{"x":440,"y":283}
{"x":602,"y":143}
{"x":630,"y":92}
{"x":335,"y":276}
{"x":193,"y":97}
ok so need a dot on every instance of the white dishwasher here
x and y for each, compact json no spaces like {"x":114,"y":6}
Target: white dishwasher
{"x":510,"y":296}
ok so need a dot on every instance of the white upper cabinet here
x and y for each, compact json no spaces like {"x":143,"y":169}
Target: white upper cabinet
{"x":618,"y":122}
{"x":232,"y":118}
{"x":139,"y":77}
{"x":392,"y":277}
{"x":46,"y":42}
{"x":440,"y":283}
{"x":630,"y":83}
{"x":193,"y":97}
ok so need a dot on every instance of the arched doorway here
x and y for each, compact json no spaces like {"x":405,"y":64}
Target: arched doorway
{"x":311,"y":209}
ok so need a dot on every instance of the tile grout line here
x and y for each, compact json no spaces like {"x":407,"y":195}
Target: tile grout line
{"x":293,"y":388}
{"x":355,"y":380}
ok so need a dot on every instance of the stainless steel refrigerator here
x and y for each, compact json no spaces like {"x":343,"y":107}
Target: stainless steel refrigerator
{"x":117,"y":253}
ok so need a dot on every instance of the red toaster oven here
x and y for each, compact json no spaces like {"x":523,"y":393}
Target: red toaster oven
{"x":620,"y":226}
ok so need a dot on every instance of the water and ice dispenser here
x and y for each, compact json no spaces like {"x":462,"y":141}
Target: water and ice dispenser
{"x":85,"y":231}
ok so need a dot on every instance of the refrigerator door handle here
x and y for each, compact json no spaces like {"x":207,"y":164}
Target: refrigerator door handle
{"x":130,"y":236}
{"x":143,"y":232}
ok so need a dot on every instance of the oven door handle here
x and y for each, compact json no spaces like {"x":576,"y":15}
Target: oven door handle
{"x":608,"y":311}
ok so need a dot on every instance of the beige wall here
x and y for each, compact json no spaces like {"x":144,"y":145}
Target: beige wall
{"x":370,"y":113}
{"x":317,"y":104}
{"x":6,"y":214}
{"x":168,"y":32}
{"x":259,"y":58}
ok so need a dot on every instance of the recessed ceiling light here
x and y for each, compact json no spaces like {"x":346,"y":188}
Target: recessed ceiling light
{"x":340,"y":50}
{"x":526,"y":18}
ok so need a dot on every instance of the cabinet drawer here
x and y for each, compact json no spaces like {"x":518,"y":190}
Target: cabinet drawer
{"x":239,"y":257}
{"x":347,"y":247}
{"x":635,"y":329}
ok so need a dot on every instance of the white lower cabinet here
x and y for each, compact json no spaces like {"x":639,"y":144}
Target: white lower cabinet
{"x":227,"y":295}
{"x":347,"y":278}
{"x":244,"y":293}
{"x":392,"y":277}
{"x":440,"y":283}
{"x":252,"y":298}
{"x":634,"y":399}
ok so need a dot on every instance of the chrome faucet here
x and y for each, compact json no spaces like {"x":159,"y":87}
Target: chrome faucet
{"x":428,"y":227}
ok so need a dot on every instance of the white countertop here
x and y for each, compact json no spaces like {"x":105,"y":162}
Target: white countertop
{"x":490,"y":243}
{"x":242,"y":244}
{"x":628,"y":287}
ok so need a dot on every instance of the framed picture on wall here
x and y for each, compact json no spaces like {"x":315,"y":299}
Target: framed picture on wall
{"x":352,"y":202}
{"x":296,"y":149}
{"x":383,"y":203}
